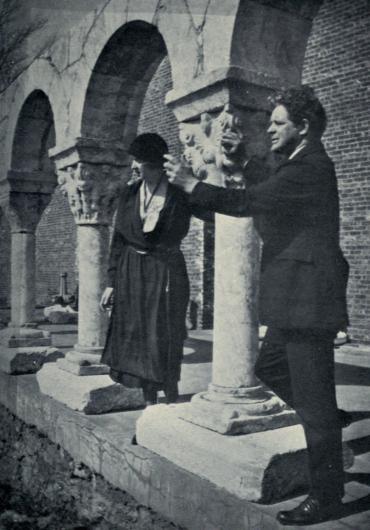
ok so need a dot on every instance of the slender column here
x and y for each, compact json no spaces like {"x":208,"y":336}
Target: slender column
{"x":23,"y":277}
{"x":93,"y":248}
{"x":24,"y":212}
{"x":92,"y":191}
{"x":235,"y":310}
{"x":24,"y":347}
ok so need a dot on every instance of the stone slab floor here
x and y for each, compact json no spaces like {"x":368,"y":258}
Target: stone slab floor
{"x":104,"y":444}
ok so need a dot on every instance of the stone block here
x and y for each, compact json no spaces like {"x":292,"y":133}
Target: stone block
{"x":61,"y":317}
{"x":21,"y":337}
{"x":27,"y":359}
{"x":57,"y":314}
{"x":83,"y":370}
{"x":260,"y":467}
{"x":93,"y":394}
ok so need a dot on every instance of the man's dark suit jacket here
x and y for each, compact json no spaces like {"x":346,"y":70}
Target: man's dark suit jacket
{"x":303,"y":271}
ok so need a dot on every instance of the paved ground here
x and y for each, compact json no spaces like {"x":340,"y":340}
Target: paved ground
{"x":353,"y":389}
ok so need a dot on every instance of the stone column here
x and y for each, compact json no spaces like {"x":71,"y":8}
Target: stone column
{"x":22,"y":277}
{"x":24,"y":348}
{"x":235,"y":402}
{"x":92,"y":189}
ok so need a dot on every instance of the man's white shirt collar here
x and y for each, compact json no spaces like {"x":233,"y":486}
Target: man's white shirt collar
{"x":296,"y":151}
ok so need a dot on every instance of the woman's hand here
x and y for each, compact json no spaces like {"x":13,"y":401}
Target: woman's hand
{"x":179,"y":175}
{"x":106,"y":299}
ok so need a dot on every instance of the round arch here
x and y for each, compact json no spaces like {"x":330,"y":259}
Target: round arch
{"x":34,"y":135}
{"x":119,"y":81}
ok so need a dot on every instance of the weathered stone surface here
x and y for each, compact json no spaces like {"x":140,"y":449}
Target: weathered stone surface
{"x":245,"y":463}
{"x":24,"y":360}
{"x":94,"y":394}
{"x":239,"y":416}
{"x":57,"y":314}
{"x":83,"y":369}
{"x":41,"y":492}
{"x":62,"y":317}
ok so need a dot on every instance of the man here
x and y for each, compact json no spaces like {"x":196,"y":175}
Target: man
{"x":303,"y":282}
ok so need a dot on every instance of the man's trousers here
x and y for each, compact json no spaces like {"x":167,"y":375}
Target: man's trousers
{"x":298,"y":365}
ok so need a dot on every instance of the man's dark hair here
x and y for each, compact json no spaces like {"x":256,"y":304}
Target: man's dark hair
{"x":149,"y":147}
{"x":302,"y":103}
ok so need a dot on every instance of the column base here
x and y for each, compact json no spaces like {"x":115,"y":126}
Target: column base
{"x":24,"y":350}
{"x":237,"y":411}
{"x":261,"y":467}
{"x":27,"y":360}
{"x":91,"y":395}
{"x":83,"y":363}
{"x":24,"y":336}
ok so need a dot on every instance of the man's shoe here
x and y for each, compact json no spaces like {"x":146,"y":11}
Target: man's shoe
{"x":345,"y":418}
{"x":310,"y":511}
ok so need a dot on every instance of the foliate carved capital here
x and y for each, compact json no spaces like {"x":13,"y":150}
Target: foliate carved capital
{"x":24,"y":210}
{"x":92,"y":191}
{"x":203,"y":150}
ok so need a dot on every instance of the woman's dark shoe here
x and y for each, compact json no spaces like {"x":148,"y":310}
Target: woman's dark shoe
{"x":150,"y":402}
{"x":310,"y":511}
{"x":172,"y":393}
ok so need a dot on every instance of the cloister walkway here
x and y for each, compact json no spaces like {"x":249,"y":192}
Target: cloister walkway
{"x":147,"y":476}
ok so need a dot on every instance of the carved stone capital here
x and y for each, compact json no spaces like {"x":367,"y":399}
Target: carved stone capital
{"x":203,"y":150}
{"x":24,"y":210}
{"x":92,"y":191}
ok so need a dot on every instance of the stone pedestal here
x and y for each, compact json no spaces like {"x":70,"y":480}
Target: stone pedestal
{"x":24,"y":350}
{"x":25,"y":360}
{"x":91,"y":395}
{"x":261,"y":467}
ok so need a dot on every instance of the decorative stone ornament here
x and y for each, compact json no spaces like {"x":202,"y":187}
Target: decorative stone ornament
{"x":204,"y":152}
{"x":92,"y":191}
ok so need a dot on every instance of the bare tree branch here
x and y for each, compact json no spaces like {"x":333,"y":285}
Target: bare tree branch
{"x":15,"y":31}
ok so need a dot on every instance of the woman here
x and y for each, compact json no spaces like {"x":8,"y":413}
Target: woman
{"x":148,"y":277}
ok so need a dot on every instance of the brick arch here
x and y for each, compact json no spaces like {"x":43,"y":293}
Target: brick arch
{"x":34,"y":135}
{"x":119,"y":81}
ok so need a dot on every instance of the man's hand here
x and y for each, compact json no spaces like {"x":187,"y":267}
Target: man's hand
{"x":106,"y":299}
{"x":179,"y":175}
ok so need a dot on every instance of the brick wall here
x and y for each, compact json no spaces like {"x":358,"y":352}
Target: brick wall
{"x":337,"y":64}
{"x":55,"y":249}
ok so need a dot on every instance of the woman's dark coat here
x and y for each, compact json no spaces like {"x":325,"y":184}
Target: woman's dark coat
{"x":303,"y":271}
{"x":151,"y":291}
